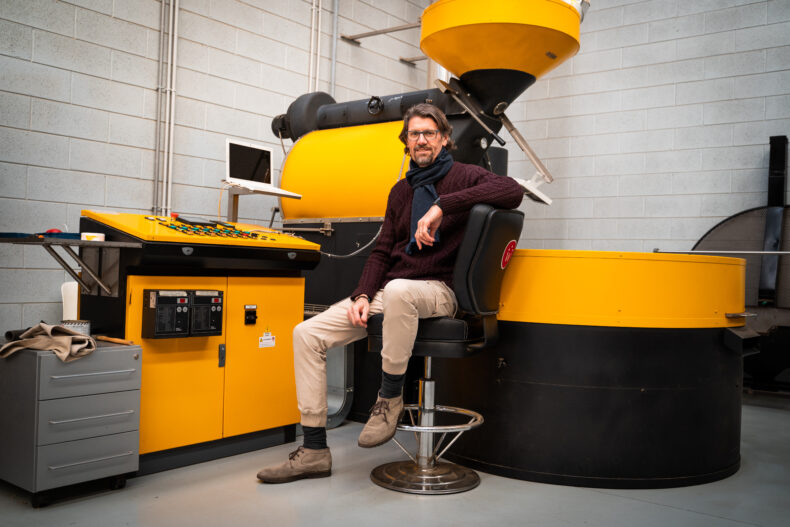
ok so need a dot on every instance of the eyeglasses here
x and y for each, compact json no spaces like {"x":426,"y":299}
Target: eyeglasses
{"x":429,"y":135}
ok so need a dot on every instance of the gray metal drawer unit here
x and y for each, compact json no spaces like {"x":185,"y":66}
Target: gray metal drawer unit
{"x":64,"y":423}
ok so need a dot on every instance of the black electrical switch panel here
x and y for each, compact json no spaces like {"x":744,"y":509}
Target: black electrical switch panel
{"x":206,"y":319}
{"x":165,"y":313}
{"x":250,"y":314}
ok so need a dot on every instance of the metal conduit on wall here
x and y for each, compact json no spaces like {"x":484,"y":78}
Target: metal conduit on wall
{"x":159,"y":78}
{"x":165,"y":124}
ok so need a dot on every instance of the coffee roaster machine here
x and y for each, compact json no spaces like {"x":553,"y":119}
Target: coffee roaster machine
{"x":212,"y":305}
{"x":612,"y":369}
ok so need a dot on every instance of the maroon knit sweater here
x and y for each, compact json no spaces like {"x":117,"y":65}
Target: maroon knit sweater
{"x":463,"y":187}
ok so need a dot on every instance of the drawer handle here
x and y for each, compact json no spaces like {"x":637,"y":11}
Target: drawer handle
{"x":63,"y":421}
{"x":92,"y":374}
{"x":96,"y":460}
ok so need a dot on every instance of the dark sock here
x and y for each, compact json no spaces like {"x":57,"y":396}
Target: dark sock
{"x":391,"y":385}
{"x":314,"y":437}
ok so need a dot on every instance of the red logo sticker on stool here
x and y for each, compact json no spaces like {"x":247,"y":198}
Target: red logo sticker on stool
{"x":509,"y":250}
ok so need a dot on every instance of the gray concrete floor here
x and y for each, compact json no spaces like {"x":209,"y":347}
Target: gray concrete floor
{"x":226,"y":493}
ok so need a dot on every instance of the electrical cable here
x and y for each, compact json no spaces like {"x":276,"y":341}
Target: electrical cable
{"x":282,"y":144}
{"x":349,"y":255}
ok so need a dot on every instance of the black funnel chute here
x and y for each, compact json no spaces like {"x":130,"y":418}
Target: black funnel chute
{"x":494,"y":86}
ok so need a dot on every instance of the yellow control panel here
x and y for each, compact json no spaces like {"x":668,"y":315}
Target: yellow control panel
{"x":186,"y":230}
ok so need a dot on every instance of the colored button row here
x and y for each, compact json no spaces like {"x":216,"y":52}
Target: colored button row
{"x":212,"y":231}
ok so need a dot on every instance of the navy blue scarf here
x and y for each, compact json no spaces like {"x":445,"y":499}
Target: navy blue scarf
{"x":422,"y":180}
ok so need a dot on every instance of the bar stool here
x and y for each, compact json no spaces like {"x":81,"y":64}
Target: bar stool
{"x":489,"y":241}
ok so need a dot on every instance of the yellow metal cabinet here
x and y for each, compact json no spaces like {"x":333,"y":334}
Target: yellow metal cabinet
{"x":182,"y":383}
{"x":188,"y":395}
{"x":259,"y":381}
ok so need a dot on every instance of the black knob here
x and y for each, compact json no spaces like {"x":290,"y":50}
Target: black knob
{"x":375,"y":106}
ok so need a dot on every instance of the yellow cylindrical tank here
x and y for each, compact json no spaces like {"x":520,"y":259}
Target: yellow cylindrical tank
{"x":628,"y":363}
{"x":343,"y":172}
{"x":532,"y":36}
{"x":623,"y":289}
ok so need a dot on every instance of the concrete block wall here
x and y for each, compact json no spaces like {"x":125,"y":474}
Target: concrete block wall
{"x":78,"y":83}
{"x":658,"y":129}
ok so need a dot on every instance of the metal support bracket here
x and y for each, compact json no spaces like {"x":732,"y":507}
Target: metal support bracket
{"x":473,"y":109}
{"x":354,"y":39}
{"x":467,"y":103}
{"x":326,"y":229}
{"x":66,"y":267}
{"x":47,"y":244}
{"x":412,"y":61}
{"x":544,"y":173}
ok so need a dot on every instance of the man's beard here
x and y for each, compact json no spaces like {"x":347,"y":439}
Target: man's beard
{"x":423,"y":157}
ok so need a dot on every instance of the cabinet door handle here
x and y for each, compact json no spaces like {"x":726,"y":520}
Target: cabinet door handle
{"x":63,"y":421}
{"x":92,"y":374}
{"x":95,"y":460}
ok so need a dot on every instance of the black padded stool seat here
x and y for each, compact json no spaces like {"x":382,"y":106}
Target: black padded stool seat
{"x":489,"y":240}
{"x":441,"y":337}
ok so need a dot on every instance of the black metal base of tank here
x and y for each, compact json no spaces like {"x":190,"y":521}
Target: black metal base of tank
{"x":600,"y":406}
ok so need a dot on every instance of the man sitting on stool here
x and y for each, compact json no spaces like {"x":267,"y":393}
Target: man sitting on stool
{"x":408,"y":276}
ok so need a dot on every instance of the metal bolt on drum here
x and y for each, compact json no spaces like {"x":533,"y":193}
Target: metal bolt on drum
{"x":425,"y":474}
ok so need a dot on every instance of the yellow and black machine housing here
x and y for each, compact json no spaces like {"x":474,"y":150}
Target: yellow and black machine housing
{"x":213,"y":306}
{"x":613,"y":369}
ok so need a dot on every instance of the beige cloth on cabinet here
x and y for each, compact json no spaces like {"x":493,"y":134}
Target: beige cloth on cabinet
{"x":67,"y":344}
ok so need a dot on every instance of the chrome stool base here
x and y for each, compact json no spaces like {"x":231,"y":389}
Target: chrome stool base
{"x":441,"y":478}
{"x":425,"y":473}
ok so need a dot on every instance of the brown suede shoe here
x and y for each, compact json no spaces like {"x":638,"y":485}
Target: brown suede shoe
{"x":381,"y":425}
{"x":302,"y":463}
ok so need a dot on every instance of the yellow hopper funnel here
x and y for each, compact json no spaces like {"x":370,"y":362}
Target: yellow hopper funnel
{"x":531,"y":36}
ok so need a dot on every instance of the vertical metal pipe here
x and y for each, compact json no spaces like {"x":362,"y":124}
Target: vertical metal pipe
{"x":174,"y":37}
{"x":165,"y":175}
{"x":333,"y":60}
{"x":159,"y":87}
{"x":318,"y":47}
{"x":312,"y":36}
{"x":425,"y":449}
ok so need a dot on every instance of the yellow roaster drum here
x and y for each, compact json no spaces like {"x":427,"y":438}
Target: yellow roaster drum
{"x":612,"y":369}
{"x":343,"y":172}
{"x":532,"y":36}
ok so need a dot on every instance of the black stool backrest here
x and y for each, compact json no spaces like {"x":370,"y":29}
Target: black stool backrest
{"x":490,"y":238}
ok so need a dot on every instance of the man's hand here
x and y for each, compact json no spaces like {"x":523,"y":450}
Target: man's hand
{"x":427,"y":226}
{"x":358,"y":312}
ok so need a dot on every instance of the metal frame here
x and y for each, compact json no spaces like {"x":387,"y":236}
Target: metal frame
{"x":67,"y":245}
{"x":418,"y":430}
{"x":354,"y":39}
{"x":359,"y":219}
{"x":412,"y":61}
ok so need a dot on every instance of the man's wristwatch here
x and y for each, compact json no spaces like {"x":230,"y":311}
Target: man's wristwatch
{"x":437,"y":202}
{"x":363,"y":295}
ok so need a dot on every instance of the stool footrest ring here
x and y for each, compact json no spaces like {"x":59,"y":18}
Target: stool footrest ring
{"x":426,"y":432}
{"x":476,"y":420}
{"x":425,"y":474}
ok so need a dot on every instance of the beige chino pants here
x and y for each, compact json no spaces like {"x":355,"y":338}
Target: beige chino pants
{"x":403,"y":303}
